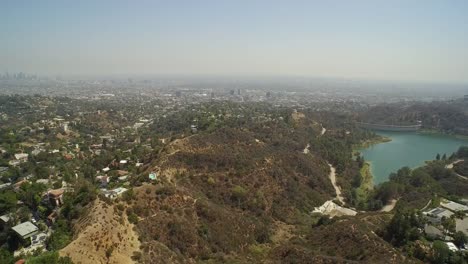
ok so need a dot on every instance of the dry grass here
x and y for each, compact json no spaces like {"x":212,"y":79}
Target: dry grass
{"x":99,"y":231}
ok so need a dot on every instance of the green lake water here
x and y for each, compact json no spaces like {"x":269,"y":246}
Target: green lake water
{"x":410,"y":149}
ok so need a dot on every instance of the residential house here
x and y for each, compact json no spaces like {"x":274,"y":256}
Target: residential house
{"x":451,"y":246}
{"x":433,"y":232}
{"x":26,"y":230}
{"x":56,"y":197}
{"x":453,"y":206}
{"x":435,"y":215}
{"x":14,"y":163}
{"x":112,"y":194}
{"x":123,"y":163}
{"x":43,"y":181}
{"x":18,"y":184}
{"x":462,"y":225}
{"x":103,"y":180}
{"x":123,"y":178}
{"x":22,"y":157}
{"x":5,"y":218}
{"x":52,"y":218}
{"x":4,"y":186}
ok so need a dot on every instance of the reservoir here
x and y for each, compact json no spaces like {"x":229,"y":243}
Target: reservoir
{"x":407,"y":149}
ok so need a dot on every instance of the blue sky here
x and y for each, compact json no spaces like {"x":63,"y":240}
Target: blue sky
{"x":388,"y":40}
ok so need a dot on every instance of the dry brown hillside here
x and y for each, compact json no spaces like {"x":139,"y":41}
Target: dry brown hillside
{"x":104,"y":235}
{"x":245,"y":196}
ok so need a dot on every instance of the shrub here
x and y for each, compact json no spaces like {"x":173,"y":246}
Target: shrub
{"x":133,"y":218}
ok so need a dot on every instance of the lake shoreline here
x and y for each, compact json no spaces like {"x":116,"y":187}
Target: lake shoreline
{"x":370,"y":142}
{"x":411,"y":149}
{"x":437,"y":132}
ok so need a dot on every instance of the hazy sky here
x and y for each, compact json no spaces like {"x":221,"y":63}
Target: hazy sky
{"x":394,"y":40}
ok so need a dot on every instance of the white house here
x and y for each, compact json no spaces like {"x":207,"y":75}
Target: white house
{"x":26,"y":230}
{"x":435,"y":215}
{"x":453,"y":206}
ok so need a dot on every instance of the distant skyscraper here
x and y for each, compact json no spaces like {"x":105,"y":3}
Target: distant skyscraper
{"x":238,"y":91}
{"x":231,"y":92}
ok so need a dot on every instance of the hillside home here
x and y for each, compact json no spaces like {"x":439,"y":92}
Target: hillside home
{"x":22,"y":157}
{"x":453,"y":206}
{"x":112,"y":194}
{"x":56,"y":197}
{"x":18,"y":184}
{"x":433,"y":232}
{"x":435,"y":215}
{"x":26,"y":230}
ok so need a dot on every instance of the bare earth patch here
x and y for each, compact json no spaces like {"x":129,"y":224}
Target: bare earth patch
{"x":103,"y":230}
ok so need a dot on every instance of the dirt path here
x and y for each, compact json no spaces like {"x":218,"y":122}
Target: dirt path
{"x":450,"y":166}
{"x":427,"y":205}
{"x":332,"y":176}
{"x":306,"y":149}
{"x":323,"y":130}
{"x":389,"y":207}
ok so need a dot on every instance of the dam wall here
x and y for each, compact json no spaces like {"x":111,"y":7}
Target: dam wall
{"x":390,"y":127}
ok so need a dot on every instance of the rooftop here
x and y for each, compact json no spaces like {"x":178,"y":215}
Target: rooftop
{"x":5,"y":218}
{"x":25,"y":229}
{"x":440,"y":212}
{"x":451,"y":246}
{"x":462,"y":225}
{"x":56,"y":192}
{"x":432,"y":230}
{"x":21,"y":156}
{"x":453,"y":206}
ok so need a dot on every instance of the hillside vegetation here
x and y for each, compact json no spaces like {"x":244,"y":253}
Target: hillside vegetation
{"x":448,"y":117}
{"x":245,"y":194}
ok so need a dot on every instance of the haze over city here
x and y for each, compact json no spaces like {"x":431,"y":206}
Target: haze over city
{"x":380,"y":40}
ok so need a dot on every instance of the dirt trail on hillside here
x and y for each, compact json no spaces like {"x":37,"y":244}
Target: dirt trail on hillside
{"x":389,"y":207}
{"x":450,"y":166}
{"x":332,"y":176}
{"x":323,"y":131}
{"x":307,"y":149}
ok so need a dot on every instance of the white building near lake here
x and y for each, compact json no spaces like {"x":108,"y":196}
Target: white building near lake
{"x":453,"y":206}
